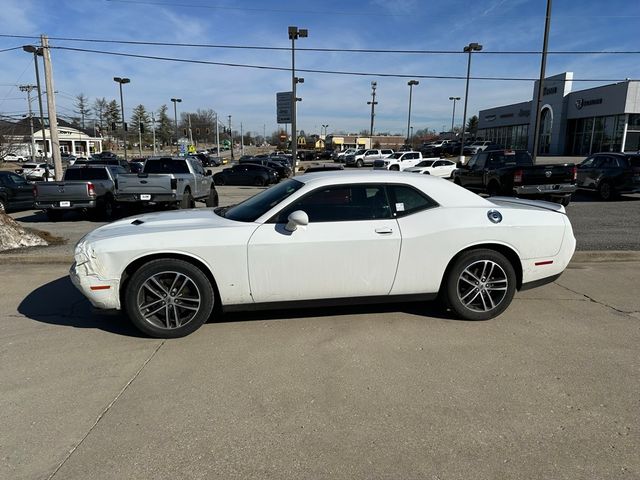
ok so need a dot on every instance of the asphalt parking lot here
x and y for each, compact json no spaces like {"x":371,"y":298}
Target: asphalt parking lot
{"x":550,"y":389}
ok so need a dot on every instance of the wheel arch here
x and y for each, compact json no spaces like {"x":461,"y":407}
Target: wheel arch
{"x":196,"y":262}
{"x":505,"y":250}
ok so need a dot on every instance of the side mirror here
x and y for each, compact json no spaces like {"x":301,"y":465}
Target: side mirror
{"x":296,"y":219}
{"x":207,"y":173}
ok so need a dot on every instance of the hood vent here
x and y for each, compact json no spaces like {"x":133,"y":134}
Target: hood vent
{"x":137,"y":222}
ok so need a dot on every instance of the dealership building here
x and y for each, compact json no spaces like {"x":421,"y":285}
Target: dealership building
{"x":600,"y":119}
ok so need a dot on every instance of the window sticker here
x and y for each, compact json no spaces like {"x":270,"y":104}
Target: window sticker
{"x":399,"y":207}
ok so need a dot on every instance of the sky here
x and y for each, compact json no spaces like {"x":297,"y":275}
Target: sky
{"x":337,"y":100}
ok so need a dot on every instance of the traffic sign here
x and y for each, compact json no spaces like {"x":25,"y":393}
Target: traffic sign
{"x":283,"y":107}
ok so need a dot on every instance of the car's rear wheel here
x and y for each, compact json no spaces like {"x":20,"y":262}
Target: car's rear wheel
{"x":394,"y":167}
{"x":480,"y":284}
{"x":359,"y":164}
{"x":187,"y":200}
{"x":169,"y":298}
{"x":219,"y":180}
{"x":259,"y":181}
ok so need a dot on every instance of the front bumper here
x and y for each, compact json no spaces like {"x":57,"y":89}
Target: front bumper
{"x":552,"y":189}
{"x":103,"y":294}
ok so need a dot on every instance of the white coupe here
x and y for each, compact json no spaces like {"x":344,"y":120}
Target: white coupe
{"x":437,"y":168}
{"x":329,"y":237}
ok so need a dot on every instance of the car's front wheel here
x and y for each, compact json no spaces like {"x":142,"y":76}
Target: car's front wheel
{"x":169,"y":298}
{"x":480,"y":284}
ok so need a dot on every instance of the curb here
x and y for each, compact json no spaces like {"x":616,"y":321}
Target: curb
{"x":601,"y":256}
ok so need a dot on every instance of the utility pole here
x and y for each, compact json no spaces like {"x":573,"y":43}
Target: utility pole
{"x":51,"y":107}
{"x":373,"y":104}
{"x":294,"y":34}
{"x":140,"y":138}
{"x":217,"y":135}
{"x":543,"y":65}
{"x":153,"y":129}
{"x":241,"y":140}
{"x":190,"y":131}
{"x":231,"y":137}
{"x":28,"y":89}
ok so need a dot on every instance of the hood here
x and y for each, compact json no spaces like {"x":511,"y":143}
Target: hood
{"x":178,"y":220}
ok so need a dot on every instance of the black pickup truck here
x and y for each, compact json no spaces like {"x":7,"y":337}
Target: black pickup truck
{"x":512,"y":173}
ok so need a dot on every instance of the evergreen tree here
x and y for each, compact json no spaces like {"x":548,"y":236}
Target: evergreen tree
{"x":112,"y":114}
{"x":140,"y":118}
{"x":165,"y":128}
{"x":472,"y":125}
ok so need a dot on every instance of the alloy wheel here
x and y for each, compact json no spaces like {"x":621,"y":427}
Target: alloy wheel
{"x":482,"y":286}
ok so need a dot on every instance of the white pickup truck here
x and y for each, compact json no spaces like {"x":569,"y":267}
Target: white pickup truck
{"x":367,"y":158}
{"x":399,"y":161}
{"x":168,"y":181}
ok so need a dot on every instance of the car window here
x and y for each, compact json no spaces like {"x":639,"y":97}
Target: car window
{"x":340,"y":203}
{"x":13,"y":179}
{"x":407,"y":200}
{"x":84,"y":173}
{"x":254,"y":207}
{"x":425,"y":163}
{"x":165,"y":165}
{"x":478,"y":161}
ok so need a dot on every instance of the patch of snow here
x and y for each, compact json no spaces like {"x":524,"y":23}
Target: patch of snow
{"x":12,"y":235}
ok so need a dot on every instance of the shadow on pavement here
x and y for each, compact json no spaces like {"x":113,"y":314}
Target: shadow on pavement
{"x":592,"y":197}
{"x":60,"y":303}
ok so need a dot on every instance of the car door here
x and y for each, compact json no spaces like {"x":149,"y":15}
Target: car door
{"x":22,"y":191}
{"x":594,"y":173}
{"x":349,"y":248}
{"x":475,"y":173}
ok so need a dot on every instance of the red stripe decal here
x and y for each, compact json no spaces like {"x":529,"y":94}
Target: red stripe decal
{"x":546,"y":262}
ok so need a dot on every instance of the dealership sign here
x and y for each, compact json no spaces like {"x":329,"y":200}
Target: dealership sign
{"x":581,"y":102}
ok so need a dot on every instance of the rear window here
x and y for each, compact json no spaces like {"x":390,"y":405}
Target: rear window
{"x":86,"y":174}
{"x":515,"y":158}
{"x":166,"y":165}
{"x":634,"y":161}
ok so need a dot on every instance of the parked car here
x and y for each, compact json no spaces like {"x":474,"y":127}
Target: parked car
{"x":280,"y":166}
{"x":12,"y":157}
{"x":366,"y":158}
{"x":114,"y":161}
{"x":37,"y":171}
{"x":399,"y":161}
{"x":246,"y":174}
{"x":610,"y":174}
{"x":15,"y":192}
{"x":437,"y":167}
{"x":452,"y":148}
{"x":136,"y":167}
{"x":512,"y":172}
{"x":476,"y":147}
{"x":90,"y":188}
{"x":339,"y":156}
{"x":434,"y":149}
{"x":429,"y":238}
{"x":168,"y":182}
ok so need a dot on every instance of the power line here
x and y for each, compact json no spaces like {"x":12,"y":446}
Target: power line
{"x":318,"y":49}
{"x":329,"y":72}
{"x":9,"y":49}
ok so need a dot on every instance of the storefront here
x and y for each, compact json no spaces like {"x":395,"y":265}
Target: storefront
{"x":605,"y":118}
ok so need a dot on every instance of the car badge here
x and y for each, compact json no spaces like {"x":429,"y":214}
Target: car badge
{"x":494,"y":216}
{"x":61,"y":188}
{"x":547,"y":173}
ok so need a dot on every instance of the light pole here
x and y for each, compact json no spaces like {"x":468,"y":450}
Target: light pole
{"x":122,"y":81}
{"x":411,"y":83}
{"x":294,"y":34}
{"x":175,"y":117}
{"x":373,"y":104}
{"x":325,"y":129}
{"x":230,"y":137}
{"x":28,"y":89}
{"x":453,"y":115}
{"x":38,"y":51}
{"x":472,"y":47}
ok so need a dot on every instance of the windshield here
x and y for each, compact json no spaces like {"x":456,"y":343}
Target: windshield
{"x":396,"y":155}
{"x":253,"y":208}
{"x":425,"y":163}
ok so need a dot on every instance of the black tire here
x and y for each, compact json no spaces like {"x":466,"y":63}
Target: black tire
{"x":605,"y":191}
{"x":212,"y":198}
{"x":3,"y":206}
{"x":105,"y":209}
{"x":359,"y":164}
{"x":54,"y":215}
{"x":565,"y":201}
{"x":218,"y":180}
{"x":185,"y":308}
{"x":395,"y":168}
{"x":473,"y":296}
{"x":493,"y":189}
{"x":187,"y":200}
{"x":259,"y":182}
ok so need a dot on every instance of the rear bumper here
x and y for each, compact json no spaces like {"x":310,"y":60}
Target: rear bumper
{"x":73,"y":205}
{"x":154,"y":197}
{"x":557,"y":189}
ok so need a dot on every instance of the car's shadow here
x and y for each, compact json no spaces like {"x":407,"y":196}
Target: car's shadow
{"x":60,"y":303}
{"x":592,"y":197}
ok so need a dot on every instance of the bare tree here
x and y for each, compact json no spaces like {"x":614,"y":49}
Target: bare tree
{"x":81,"y":107}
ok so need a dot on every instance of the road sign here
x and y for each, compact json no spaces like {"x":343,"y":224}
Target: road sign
{"x":283,"y":107}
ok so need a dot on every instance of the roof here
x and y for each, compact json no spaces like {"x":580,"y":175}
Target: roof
{"x":22,"y":127}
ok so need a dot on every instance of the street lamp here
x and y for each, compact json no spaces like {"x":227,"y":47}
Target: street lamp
{"x":325,"y":129}
{"x":472,"y":47}
{"x":38,"y":52}
{"x":373,"y":104}
{"x":121,"y":81}
{"x":411,"y":83}
{"x":453,"y":115}
{"x":175,"y":116}
{"x":294,"y":34}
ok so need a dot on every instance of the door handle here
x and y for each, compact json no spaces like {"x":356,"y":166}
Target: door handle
{"x":384,"y":231}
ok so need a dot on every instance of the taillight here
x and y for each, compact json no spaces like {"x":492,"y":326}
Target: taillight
{"x":174,"y":184}
{"x":517,"y":176}
{"x":35,"y":190}
{"x":91,"y":189}
{"x":574,"y":172}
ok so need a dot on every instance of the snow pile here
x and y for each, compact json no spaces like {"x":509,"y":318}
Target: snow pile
{"x":12,"y":235}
